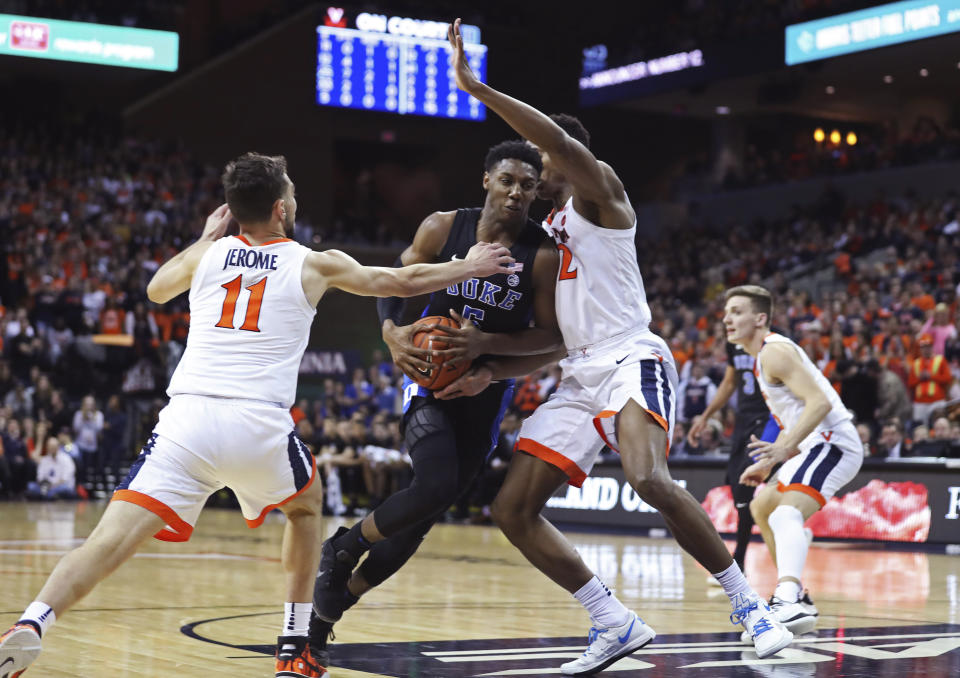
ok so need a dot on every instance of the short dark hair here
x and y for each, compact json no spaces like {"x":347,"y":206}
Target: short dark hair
{"x":513,"y":150}
{"x":760,"y":298}
{"x":252,"y":183}
{"x":573,"y":127}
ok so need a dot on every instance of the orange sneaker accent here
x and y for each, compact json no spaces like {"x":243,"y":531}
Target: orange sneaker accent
{"x":302,"y":665}
{"x":19,"y":647}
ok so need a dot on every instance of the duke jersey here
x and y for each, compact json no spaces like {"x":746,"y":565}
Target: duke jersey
{"x":249,"y":322}
{"x":600,"y":291}
{"x":787,"y":407}
{"x":497,"y":303}
{"x":750,"y":403}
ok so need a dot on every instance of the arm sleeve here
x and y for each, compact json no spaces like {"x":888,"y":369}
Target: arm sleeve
{"x":391,"y":308}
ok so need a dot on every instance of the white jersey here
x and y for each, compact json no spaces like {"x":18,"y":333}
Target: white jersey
{"x":787,"y":407}
{"x":599,"y":289}
{"x":249,"y":322}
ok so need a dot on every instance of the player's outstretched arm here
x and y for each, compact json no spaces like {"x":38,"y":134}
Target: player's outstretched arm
{"x":175,"y":276}
{"x":782,"y":363}
{"x":336,"y":269}
{"x":478,"y":377}
{"x":594,"y":181}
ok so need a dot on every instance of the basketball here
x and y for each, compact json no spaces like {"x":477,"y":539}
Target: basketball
{"x":441,"y":375}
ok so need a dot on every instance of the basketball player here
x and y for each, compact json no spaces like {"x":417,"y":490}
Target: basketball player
{"x":753,"y":420}
{"x":252,"y":301}
{"x":619,"y":387}
{"x":818,"y":446}
{"x":449,"y":441}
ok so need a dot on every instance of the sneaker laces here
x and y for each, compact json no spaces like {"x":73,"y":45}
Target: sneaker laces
{"x":591,"y":637}
{"x":738,"y":616}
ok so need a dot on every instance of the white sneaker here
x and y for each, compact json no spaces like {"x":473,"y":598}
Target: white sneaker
{"x":609,"y":645}
{"x":19,"y":646}
{"x":799,"y":617}
{"x":768,"y":634}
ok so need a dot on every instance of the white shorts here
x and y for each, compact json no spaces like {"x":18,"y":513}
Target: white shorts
{"x":823,"y":468}
{"x":203,"y":444}
{"x":571,"y":428}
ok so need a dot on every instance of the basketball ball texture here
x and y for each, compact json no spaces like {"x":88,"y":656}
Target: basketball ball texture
{"x":440,"y":375}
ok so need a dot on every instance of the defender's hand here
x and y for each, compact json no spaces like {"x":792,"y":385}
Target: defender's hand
{"x":489,"y":259}
{"x":217,"y":223}
{"x":466,"y":80}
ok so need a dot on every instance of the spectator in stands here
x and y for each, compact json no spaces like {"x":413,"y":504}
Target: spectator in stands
{"x":114,"y":440}
{"x":56,"y":474}
{"x":939,"y":327}
{"x":87,"y":426}
{"x":858,"y":390}
{"x":930,"y":378}
{"x":694,"y":393}
{"x":22,"y":468}
{"x":890,"y":443}
{"x":893,"y":400}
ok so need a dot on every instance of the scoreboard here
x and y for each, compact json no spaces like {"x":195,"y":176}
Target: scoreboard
{"x":380,"y":71}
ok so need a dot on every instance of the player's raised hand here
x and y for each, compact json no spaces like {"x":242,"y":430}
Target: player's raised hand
{"x":489,"y":259}
{"x":466,"y":80}
{"x":217,"y":223}
{"x":470,"y":383}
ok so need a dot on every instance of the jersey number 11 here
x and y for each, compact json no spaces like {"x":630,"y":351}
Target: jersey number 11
{"x":253,"y":305}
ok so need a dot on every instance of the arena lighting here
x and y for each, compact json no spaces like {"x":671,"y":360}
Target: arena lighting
{"x":819,"y":135}
{"x":851,"y":139}
{"x":723,"y":110}
{"x":888,"y":79}
{"x":835,"y":137}
{"x":871,"y":28}
{"x":924,"y":72}
{"x":830,"y":89}
{"x":672,"y":63}
{"x":89,"y":43}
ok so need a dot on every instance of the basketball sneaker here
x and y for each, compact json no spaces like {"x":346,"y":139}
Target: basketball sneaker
{"x":330,"y":594}
{"x":767,"y":633}
{"x":606,"y":646}
{"x":294,"y":659}
{"x":320,"y":635}
{"x":799,"y":617}
{"x":19,"y":647}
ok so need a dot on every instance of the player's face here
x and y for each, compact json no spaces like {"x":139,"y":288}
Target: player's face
{"x":511,"y":187}
{"x":740,"y":320}
{"x":552,"y":181}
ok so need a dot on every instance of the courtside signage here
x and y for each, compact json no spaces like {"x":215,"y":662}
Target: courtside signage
{"x":881,"y":26}
{"x":89,"y":43}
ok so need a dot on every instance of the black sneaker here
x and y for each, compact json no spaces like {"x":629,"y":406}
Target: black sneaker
{"x":321,"y":633}
{"x":330,"y":589}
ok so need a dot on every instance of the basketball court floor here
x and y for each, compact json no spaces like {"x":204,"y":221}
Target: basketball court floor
{"x":468,"y":604}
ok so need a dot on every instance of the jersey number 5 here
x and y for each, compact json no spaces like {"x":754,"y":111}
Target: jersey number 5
{"x":253,"y":305}
{"x":566,"y":259}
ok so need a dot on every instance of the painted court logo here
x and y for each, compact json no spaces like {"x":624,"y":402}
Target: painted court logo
{"x":910,"y":651}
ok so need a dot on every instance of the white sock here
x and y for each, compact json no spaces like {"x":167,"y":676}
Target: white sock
{"x":788,"y":590}
{"x":734,"y":583}
{"x":296,"y":618}
{"x":602,"y":605}
{"x":40,"y":614}
{"x":787,"y":525}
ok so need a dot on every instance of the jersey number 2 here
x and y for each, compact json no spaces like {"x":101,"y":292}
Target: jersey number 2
{"x":566,"y":258}
{"x":253,"y":305}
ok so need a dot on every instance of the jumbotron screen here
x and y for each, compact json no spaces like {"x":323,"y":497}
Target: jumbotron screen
{"x":396,"y":65}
